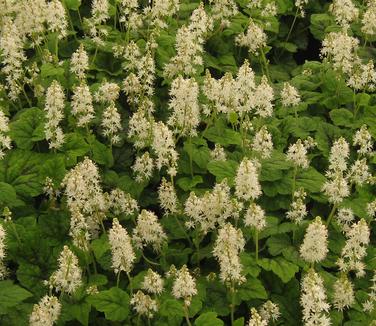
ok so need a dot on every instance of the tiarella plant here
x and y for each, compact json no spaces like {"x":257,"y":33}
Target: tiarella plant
{"x":176,"y":162}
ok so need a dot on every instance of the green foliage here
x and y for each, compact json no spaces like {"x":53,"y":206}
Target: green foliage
{"x":114,"y":303}
{"x":281,"y":267}
{"x":209,"y":319}
{"x":11,"y":295}
{"x":171,"y":308}
{"x":223,"y":170}
{"x":28,"y":128}
{"x":46,"y":205}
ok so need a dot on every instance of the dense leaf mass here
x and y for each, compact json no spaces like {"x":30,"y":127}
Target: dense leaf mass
{"x":172,"y":162}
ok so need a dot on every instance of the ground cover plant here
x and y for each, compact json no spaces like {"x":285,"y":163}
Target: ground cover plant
{"x":174,"y":162}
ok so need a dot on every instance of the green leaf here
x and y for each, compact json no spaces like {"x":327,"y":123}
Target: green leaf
{"x":216,"y":298}
{"x":28,"y":128}
{"x":195,"y":306}
{"x":279,"y":266}
{"x":171,"y":307}
{"x":310,"y":179}
{"x":273,"y":227}
{"x":336,"y":317}
{"x":174,"y":230}
{"x":101,"y":153}
{"x":319,"y":24}
{"x":54,"y":225}
{"x":283,"y":186}
{"x":73,"y":4}
{"x":78,"y":310}
{"x":188,"y":183}
{"x":239,"y":322}
{"x":284,"y":6}
{"x":277,"y":243}
{"x":49,"y":70}
{"x":223,"y":169}
{"x":100,"y":246}
{"x":335,"y":89}
{"x":176,"y":254}
{"x":98,"y":279}
{"x":273,"y":168}
{"x":105,"y":62}
{"x":363,"y":99}
{"x":11,"y":295}
{"x":237,"y":26}
{"x":30,"y":276}
{"x":300,"y":127}
{"x":18,"y":315}
{"x":325,"y":134}
{"x":74,"y":146}
{"x":208,"y":319}
{"x":114,"y":303}
{"x":292,"y":254}
{"x":251,"y":289}
{"x":102,"y":251}
{"x":249,"y":264}
{"x":21,"y":170}
{"x":228,"y":63}
{"x":290,"y":47}
{"x":370,"y":259}
{"x":221,"y":134}
{"x":8,"y":196}
{"x":201,"y":156}
{"x":54,"y":168}
{"x":342,"y":117}
{"x":126,"y":183}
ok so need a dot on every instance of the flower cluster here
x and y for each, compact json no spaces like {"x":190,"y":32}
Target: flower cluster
{"x":337,"y":188}
{"x":123,"y":255}
{"x":86,"y":202}
{"x":46,"y":312}
{"x":254,"y":38}
{"x":256,"y":319}
{"x":343,"y":296}
{"x":241,"y":95}
{"x":212,"y":209}
{"x":148,"y":231}
{"x":298,"y":209}
{"x":229,"y":244}
{"x":297,"y":152}
{"x":355,"y":248}
{"x":247,"y":185}
{"x":143,"y":304}
{"x":68,"y":277}
{"x":184,"y":285}
{"x":54,"y":113}
{"x":255,"y":217}
{"x":120,"y":202}
{"x":270,"y":311}
{"x":111,"y":120}
{"x":3,"y":270}
{"x":190,"y":41}
{"x":5,"y":140}
{"x":313,"y":300}
{"x":315,"y":245}
{"x":289,"y":96}
{"x":185,"y":116}
{"x":167,"y":197}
